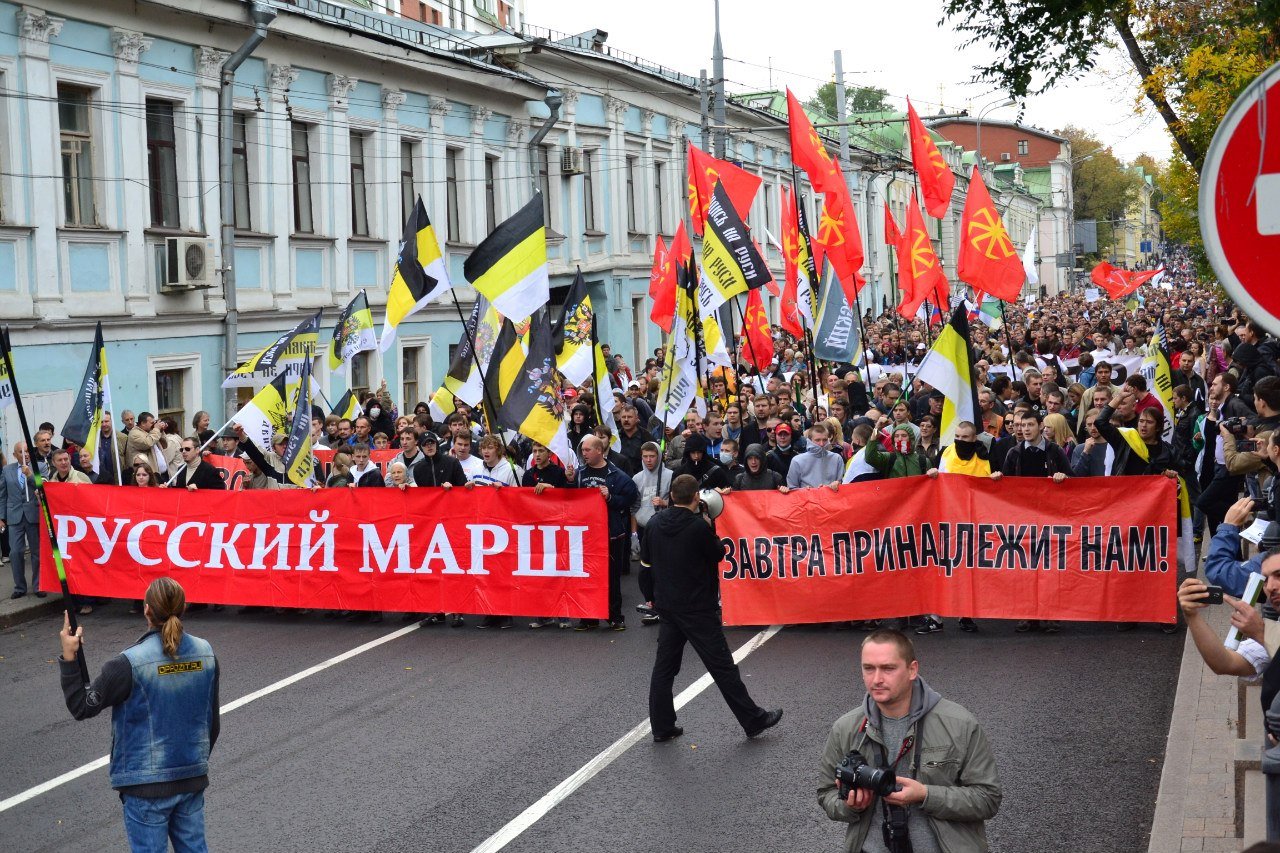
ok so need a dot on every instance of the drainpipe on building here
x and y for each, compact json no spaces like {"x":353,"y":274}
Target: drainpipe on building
{"x":262,"y":15}
{"x":553,"y":100}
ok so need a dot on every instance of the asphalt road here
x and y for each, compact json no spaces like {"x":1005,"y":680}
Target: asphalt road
{"x":435,"y":740}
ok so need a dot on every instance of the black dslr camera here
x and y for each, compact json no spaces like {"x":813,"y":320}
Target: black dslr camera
{"x":855,"y":772}
{"x":1236,"y":426}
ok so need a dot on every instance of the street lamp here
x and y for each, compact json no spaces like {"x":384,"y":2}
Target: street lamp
{"x":1007,"y":102}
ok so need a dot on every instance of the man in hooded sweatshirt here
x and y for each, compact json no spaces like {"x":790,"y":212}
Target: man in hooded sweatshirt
{"x":818,"y":465}
{"x":683,"y":551}
{"x":904,"y":459}
{"x":948,"y":786}
{"x":757,"y":476}
{"x":699,"y":464}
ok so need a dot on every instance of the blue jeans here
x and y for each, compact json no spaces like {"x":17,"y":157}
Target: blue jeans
{"x":151,"y":824}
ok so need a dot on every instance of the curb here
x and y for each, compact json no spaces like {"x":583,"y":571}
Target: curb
{"x":27,"y":612}
{"x":1166,"y":823}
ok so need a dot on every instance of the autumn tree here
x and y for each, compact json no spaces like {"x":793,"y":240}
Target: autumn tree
{"x":1102,"y":186}
{"x":860,"y":99}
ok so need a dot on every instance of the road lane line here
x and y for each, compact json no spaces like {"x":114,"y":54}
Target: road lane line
{"x":588,"y":771}
{"x":45,"y":787}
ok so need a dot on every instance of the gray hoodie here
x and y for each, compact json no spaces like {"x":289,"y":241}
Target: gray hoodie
{"x":816,"y":466}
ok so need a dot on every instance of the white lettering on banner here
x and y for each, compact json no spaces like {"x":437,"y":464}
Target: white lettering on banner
{"x":222,"y":546}
{"x":173,"y":548}
{"x":524,"y":546}
{"x":326,"y":541}
{"x":440,"y":549}
{"x":262,"y":546}
{"x":479,"y":550}
{"x":108,"y":542}
{"x":67,"y":523}
{"x":399,"y":542}
{"x":135,"y":538}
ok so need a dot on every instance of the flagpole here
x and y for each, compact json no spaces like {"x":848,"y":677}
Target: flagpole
{"x":703,"y":369}
{"x":1008,"y":338}
{"x":810,"y":357}
{"x":668,"y":368}
{"x":751,"y":346}
{"x":733,"y":343}
{"x":490,"y":413}
{"x":6,"y":347}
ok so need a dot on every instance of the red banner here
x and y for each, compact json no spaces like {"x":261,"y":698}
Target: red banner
{"x":231,"y":469}
{"x":505,"y":551}
{"x":955,"y":546}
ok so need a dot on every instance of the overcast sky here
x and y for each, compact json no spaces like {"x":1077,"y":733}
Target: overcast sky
{"x":897,"y":46}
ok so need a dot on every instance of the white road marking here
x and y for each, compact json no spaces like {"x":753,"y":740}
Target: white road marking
{"x":45,"y":787}
{"x":584,"y":774}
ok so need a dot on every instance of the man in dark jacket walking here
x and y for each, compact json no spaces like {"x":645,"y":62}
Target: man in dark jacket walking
{"x":684,"y":553}
{"x":438,"y":470}
{"x":620,"y":494}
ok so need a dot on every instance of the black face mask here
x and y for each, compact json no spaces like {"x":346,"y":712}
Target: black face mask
{"x":967,"y":449}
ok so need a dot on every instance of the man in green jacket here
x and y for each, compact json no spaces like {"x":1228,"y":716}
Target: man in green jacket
{"x":946,"y":772}
{"x":904,"y":460}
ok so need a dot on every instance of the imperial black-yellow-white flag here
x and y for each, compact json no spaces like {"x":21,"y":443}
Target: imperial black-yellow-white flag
{"x":421,"y":275}
{"x":84,"y":424}
{"x":353,"y":332}
{"x":572,"y":334}
{"x":347,"y":406}
{"x":267,"y":413}
{"x":283,"y":356}
{"x":949,"y":369}
{"x":731,"y":263}
{"x":299,"y":464}
{"x":532,"y":405}
{"x":510,"y":265}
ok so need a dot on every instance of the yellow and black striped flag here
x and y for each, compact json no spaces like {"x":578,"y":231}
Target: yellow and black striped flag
{"x":572,"y":334}
{"x":532,"y":405}
{"x":504,"y":366}
{"x":421,"y":275}
{"x":299,"y":464}
{"x":267,"y":413}
{"x":731,"y":264}
{"x":84,"y":424}
{"x":353,"y":333}
{"x":347,"y":406}
{"x":510,"y":265}
{"x":284,"y":356}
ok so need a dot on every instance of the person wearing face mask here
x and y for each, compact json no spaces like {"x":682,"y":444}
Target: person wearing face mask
{"x":902,"y":459}
{"x":818,"y":465}
{"x":784,"y":452}
{"x":728,"y":457}
{"x":380,"y":418}
{"x":697,"y":463}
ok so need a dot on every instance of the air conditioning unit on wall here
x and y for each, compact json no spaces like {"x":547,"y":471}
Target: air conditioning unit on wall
{"x":188,"y":264}
{"x":571,"y":161}
{"x":1005,"y":158}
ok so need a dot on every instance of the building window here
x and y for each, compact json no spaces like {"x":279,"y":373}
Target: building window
{"x":452,"y":156}
{"x":162,"y":164}
{"x":589,"y":189}
{"x":1024,"y":147}
{"x":410,"y":381}
{"x":659,"y":209}
{"x":544,"y":182}
{"x":490,"y":194}
{"x":359,"y":200}
{"x":360,"y":374}
{"x":77,"y":155}
{"x":767,"y":191}
{"x":240,"y":171}
{"x":170,"y":398}
{"x":633,"y":201}
{"x":407,"y":181}
{"x":300,"y":151}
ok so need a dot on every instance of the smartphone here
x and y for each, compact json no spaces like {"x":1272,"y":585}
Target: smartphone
{"x":1215,"y":595}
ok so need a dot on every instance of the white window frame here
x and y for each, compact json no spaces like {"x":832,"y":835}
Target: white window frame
{"x":192,"y":392}
{"x":424,"y":370}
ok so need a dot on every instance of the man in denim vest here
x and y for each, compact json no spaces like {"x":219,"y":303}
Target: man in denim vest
{"x":163,"y":695}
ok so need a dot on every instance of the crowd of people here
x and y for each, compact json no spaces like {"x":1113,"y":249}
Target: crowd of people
{"x":1056,"y":384}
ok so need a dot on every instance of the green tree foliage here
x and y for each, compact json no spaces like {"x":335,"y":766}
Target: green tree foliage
{"x":1103,"y":188}
{"x":860,"y":99}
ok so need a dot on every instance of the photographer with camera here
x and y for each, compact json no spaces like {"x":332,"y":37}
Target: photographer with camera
{"x":1219,"y":487}
{"x":909,"y":771}
{"x":683,"y":551}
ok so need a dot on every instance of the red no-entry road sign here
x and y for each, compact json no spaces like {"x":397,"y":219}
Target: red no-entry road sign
{"x":1240,"y":200}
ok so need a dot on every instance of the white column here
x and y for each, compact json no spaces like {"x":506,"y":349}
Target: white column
{"x":136,"y":216}
{"x":387,"y":149}
{"x":433,"y":152}
{"x":204,"y":165}
{"x":515,"y":184}
{"x":277,"y":169}
{"x":647,"y":191}
{"x":613,"y":173}
{"x":473,"y":186}
{"x":574,"y":244}
{"x":35,"y":28}
{"x":339,"y":170}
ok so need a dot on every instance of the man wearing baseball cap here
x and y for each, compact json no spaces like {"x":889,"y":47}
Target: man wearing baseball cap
{"x":780,"y":457}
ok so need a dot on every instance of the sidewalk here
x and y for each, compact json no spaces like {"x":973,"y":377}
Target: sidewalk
{"x":15,"y":611}
{"x":1211,"y":791}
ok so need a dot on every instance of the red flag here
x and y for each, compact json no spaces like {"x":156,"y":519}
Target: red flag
{"x":1119,"y":283}
{"x":838,"y":233}
{"x":664,"y":300}
{"x":917,"y":259}
{"x":808,"y":151}
{"x":758,"y":344}
{"x":658,"y":278}
{"x":704,"y":170}
{"x":936,"y":179}
{"x":987,"y":258}
{"x":892,"y":235}
{"x":789,"y":316}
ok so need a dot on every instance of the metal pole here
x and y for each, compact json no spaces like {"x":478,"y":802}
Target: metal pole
{"x":717,"y":72}
{"x":704,"y":109}
{"x":262,"y":15}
